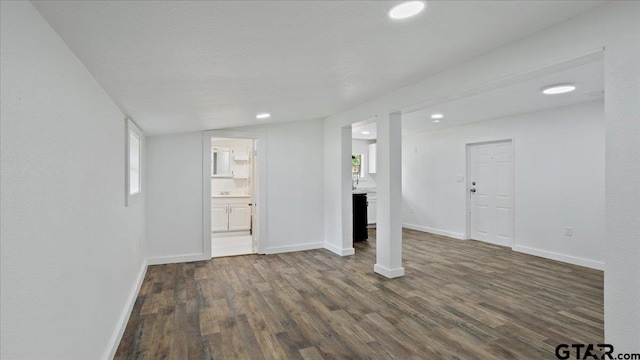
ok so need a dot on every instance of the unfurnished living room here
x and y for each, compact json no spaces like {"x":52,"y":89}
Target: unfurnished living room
{"x":320,"y":179}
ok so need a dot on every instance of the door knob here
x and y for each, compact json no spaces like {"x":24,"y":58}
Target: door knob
{"x":473,"y":190}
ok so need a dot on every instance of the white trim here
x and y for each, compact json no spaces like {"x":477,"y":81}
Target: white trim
{"x":446,"y":233}
{"x":126,"y":312}
{"x":389,"y":273}
{"x":346,"y":187}
{"x":593,"y":264}
{"x":131,"y":127}
{"x":292,"y":248}
{"x":511,"y":140}
{"x":336,"y":250}
{"x":160,"y":260}
{"x":261,"y":177}
{"x":206,"y":194}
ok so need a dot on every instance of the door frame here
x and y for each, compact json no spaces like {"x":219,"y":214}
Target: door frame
{"x":511,"y":140}
{"x":260,"y":183}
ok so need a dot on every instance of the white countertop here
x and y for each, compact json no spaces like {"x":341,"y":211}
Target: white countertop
{"x":230,"y":196}
{"x":365,"y":191}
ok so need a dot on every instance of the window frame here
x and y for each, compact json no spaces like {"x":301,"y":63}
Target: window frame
{"x":132,"y":129}
{"x":361,"y":170}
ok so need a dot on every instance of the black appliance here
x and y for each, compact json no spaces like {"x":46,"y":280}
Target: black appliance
{"x":360,"y":217}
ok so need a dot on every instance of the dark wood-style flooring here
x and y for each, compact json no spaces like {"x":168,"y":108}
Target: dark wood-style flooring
{"x":458,"y":300}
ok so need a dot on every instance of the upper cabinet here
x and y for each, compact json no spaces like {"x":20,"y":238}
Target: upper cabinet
{"x":372,"y":158}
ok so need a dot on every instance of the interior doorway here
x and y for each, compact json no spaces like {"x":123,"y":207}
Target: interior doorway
{"x":233,"y":188}
{"x":364,"y":168}
{"x":490,"y":192}
{"x":232,"y":179}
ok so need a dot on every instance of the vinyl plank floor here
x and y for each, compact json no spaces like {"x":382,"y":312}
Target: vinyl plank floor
{"x":458,"y":300}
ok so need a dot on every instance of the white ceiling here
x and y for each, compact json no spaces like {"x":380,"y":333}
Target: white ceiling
{"x":365,"y":126}
{"x":515,"y":98}
{"x":187,"y":66}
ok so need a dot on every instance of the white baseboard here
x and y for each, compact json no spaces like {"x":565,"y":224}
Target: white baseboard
{"x":593,"y":264}
{"x":336,"y":250}
{"x":598,"y":265}
{"x":177,"y":259}
{"x":450,"y":234}
{"x":126,"y":312}
{"x":291,"y":248}
{"x":386,"y":272}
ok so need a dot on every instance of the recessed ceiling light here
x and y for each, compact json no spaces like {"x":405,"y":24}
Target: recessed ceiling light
{"x":406,"y":9}
{"x":558,"y":89}
{"x":436,"y":121}
{"x":366,"y":132}
{"x":263,"y":116}
{"x":437,"y":116}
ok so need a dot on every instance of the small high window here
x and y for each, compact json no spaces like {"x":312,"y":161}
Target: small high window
{"x":134,"y":148}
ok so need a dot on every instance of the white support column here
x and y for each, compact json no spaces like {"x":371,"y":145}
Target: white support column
{"x":389,"y":193}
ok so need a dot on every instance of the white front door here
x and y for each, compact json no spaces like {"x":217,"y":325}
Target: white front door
{"x":490,"y":190}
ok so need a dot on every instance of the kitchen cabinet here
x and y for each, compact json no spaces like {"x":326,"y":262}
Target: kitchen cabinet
{"x":372,"y":149}
{"x":372,"y":208}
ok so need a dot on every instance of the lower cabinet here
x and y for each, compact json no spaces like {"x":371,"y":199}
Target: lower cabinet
{"x":239,"y":217}
{"x":219,"y":217}
{"x":231,"y":217}
{"x":372,"y":209}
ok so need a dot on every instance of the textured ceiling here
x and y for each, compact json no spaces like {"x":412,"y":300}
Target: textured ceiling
{"x":187,"y":66}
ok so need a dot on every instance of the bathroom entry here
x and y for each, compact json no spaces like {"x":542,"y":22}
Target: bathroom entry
{"x":233,"y":189}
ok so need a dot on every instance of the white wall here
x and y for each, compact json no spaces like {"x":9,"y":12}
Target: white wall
{"x":559,"y":180}
{"x":294,"y":185}
{"x":338,"y":205}
{"x":294,"y":196}
{"x":614,"y":26}
{"x":360,"y":146}
{"x":174,"y":198}
{"x":72,"y":253}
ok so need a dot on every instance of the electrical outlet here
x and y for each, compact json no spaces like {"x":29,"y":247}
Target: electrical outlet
{"x":568,"y":231}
